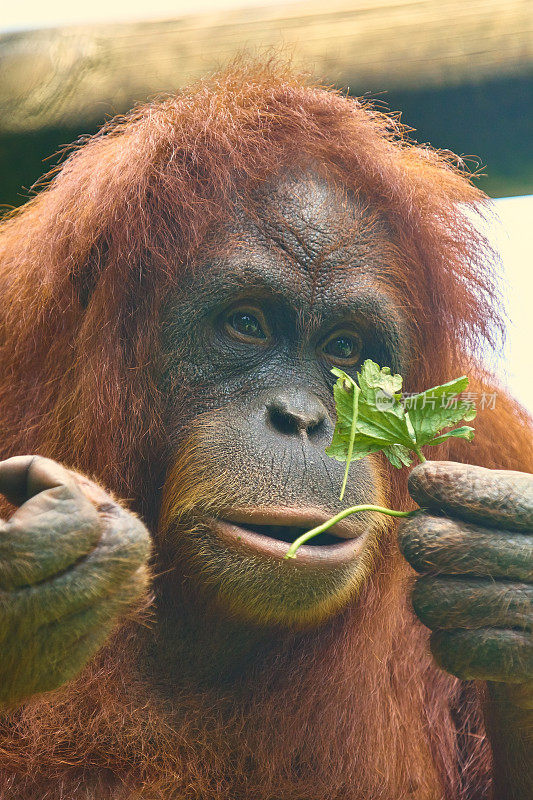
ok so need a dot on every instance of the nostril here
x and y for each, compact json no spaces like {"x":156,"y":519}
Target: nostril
{"x":284,"y":422}
{"x":316,"y":428}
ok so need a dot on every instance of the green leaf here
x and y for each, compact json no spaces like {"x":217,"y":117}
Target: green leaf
{"x":373,"y":416}
{"x":398,"y":455}
{"x":466,"y":432}
{"x":438,"y":408}
{"x":346,"y":394}
{"x":374,"y":377}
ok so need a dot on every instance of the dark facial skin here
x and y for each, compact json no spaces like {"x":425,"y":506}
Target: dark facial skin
{"x":254,"y":334}
{"x":255,"y":353}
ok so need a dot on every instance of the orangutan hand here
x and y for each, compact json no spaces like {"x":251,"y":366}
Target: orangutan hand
{"x":473,"y":543}
{"x":72,"y":561}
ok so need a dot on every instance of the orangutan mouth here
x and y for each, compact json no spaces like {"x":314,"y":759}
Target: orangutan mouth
{"x":269,"y":533}
{"x":288,"y":533}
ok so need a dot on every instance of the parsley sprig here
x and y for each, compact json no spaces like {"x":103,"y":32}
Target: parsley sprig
{"x":373,"y":415}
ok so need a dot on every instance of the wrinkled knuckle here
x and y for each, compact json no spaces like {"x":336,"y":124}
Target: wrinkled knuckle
{"x":419,"y":477}
{"x":38,"y":461}
{"x":412,"y":529}
{"x":420,"y":539}
{"x":408,"y":535}
{"x":433,"y":471}
{"x":92,"y":492}
{"x":126,"y":542}
{"x":135,"y":530}
{"x":431,"y":481}
{"x":108,"y":508}
{"x":83,"y":513}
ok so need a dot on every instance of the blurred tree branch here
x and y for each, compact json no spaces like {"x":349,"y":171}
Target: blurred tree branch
{"x":77,"y":76}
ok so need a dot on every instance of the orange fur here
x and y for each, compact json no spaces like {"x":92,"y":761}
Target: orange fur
{"x":354,"y":709}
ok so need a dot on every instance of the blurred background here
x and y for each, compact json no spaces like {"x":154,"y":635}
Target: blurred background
{"x":460,"y":72}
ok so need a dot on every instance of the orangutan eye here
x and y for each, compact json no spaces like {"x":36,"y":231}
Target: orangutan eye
{"x":343,"y":348}
{"x":245,"y":325}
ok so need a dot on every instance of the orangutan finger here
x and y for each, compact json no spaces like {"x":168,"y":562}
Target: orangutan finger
{"x":22,"y":477}
{"x":453,"y":547}
{"x":48,"y":534}
{"x":496,"y":498}
{"x":123,"y":548}
{"x":450,"y":603}
{"x":487,"y":654}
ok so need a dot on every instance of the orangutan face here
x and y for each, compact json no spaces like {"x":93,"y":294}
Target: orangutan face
{"x":300,"y":287}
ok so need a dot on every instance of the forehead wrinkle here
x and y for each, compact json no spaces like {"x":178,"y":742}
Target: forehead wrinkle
{"x":296,"y":243}
{"x":314,"y":280}
{"x":312,"y":242}
{"x":250,"y":258}
{"x":355,"y":238}
{"x":310,"y":288}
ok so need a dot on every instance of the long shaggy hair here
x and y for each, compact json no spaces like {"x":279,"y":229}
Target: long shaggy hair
{"x":355,"y":709}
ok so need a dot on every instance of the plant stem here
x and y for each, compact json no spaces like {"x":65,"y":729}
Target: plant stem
{"x":337,"y":518}
{"x":420,"y":454}
{"x":351,"y":442}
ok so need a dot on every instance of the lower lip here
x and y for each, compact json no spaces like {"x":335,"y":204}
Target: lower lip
{"x":333,"y":555}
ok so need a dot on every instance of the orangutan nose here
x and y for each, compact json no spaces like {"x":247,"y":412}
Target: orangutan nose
{"x":296,"y":412}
